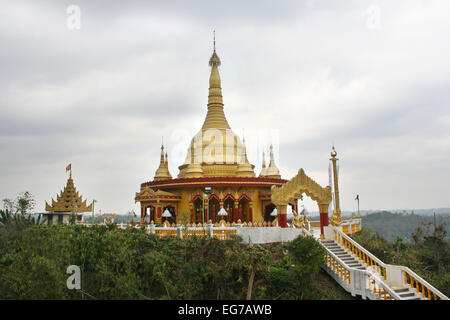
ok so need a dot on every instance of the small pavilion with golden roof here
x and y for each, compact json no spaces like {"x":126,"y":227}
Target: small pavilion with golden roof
{"x":216,"y":160}
{"x":68,"y":203}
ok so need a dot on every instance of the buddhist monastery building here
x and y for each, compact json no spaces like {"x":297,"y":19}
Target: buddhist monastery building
{"x":216,"y":160}
{"x":68,"y":205}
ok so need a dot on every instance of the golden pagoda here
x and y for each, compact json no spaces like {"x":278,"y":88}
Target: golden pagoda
{"x":216,"y":160}
{"x":67,"y":203}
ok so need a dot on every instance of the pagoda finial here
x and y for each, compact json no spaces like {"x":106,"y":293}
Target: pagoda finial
{"x":166,"y":159}
{"x":69,"y":168}
{"x":162,"y":154}
{"x":272,"y":170}
{"x":333,"y":152}
{"x":215,"y":118}
{"x":214,"y":60}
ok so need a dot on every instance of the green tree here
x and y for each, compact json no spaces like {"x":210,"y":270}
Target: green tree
{"x":23,"y":203}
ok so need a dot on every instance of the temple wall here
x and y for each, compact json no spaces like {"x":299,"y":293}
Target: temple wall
{"x":268,"y":235}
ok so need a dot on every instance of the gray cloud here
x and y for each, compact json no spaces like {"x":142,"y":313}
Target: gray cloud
{"x":103,"y":96}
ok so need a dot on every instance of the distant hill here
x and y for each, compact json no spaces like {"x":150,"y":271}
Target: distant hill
{"x":421,"y":212}
{"x":390,"y":225}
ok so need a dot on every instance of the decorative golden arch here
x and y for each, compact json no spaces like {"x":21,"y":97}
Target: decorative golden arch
{"x":287,"y":193}
{"x":195,"y":197}
{"x":214,"y":196}
{"x":244,"y":196}
{"x":229,"y":195}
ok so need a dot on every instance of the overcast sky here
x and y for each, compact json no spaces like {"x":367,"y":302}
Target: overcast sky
{"x":370,"y":77}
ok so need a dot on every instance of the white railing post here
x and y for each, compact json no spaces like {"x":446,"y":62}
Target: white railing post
{"x":210,"y":230}
{"x":180,"y":231}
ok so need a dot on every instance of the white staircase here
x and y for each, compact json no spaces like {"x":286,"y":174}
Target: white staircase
{"x":361,"y":273}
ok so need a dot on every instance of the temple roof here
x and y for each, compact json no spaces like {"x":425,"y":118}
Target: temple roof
{"x":68,"y":200}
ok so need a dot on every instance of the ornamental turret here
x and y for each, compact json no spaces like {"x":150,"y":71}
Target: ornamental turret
{"x":272,"y":170}
{"x":68,"y":200}
{"x":263,"y":172}
{"x":162,"y":173}
{"x":245,"y":169}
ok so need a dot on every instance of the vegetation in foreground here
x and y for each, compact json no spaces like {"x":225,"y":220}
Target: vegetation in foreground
{"x":130,"y":264}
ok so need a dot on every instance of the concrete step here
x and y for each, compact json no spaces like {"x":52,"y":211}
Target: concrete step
{"x":400,"y":290}
{"x":408,"y":294}
{"x":411,"y":298}
{"x":342,"y":254}
{"x":354,"y":264}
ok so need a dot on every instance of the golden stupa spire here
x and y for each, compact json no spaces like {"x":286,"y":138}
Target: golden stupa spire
{"x":263,"y":169}
{"x":272,"y":170}
{"x":215,"y":118}
{"x":162,"y":173}
{"x":245,"y":169}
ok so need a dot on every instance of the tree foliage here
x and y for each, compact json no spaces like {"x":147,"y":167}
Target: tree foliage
{"x":131,"y":264}
{"x":428,"y":254}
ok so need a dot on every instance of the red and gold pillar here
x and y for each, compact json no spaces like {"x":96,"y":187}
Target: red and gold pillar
{"x":220,"y":207}
{"x":323,"y":210}
{"x":236,"y":211}
{"x":142,"y":213}
{"x":159,"y":213}
{"x":205,"y":212}
{"x":282,"y":215}
{"x":250,"y":211}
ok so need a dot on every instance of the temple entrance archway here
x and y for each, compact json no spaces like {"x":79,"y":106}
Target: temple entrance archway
{"x":228,"y":205}
{"x":243,"y":211}
{"x":149,"y":214}
{"x":214,"y":207}
{"x":198,"y":210}
{"x":281,"y":196}
{"x":267,"y":211}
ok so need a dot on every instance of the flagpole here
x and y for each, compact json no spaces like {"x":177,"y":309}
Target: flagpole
{"x":357,"y":201}
{"x":358,"y":207}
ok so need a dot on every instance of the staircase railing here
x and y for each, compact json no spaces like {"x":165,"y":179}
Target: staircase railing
{"x":422,"y":287}
{"x":380,"y":288}
{"x":360,"y":252}
{"x":357,"y":281}
{"x":395,"y":275}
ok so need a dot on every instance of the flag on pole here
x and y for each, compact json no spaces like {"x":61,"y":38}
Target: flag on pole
{"x":69,"y":167}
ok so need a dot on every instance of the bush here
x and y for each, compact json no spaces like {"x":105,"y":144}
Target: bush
{"x":130,"y":264}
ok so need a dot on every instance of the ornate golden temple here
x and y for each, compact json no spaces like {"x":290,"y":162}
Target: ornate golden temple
{"x":216,"y":181}
{"x":217,"y":160}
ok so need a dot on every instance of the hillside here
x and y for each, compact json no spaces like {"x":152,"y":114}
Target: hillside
{"x":390,"y":225}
